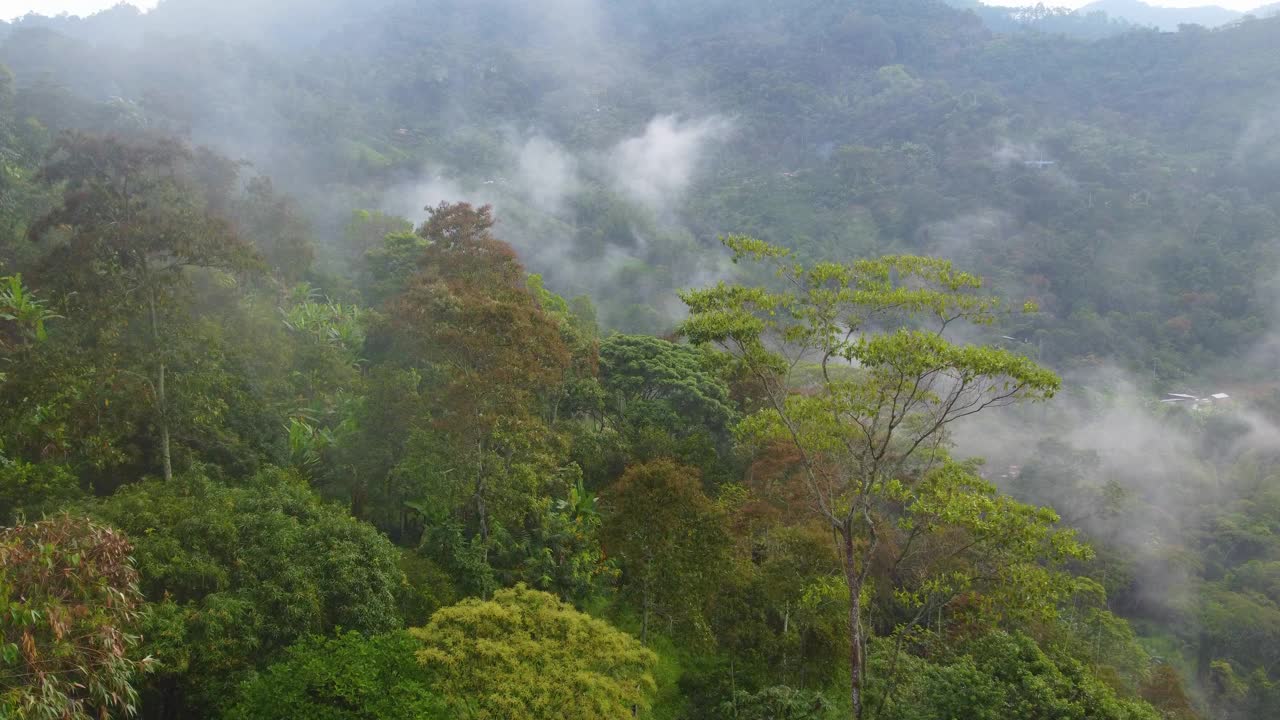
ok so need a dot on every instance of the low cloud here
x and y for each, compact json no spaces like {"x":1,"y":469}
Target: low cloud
{"x":968,"y":239}
{"x":545,"y":174}
{"x":656,"y":167}
{"x":1135,"y":474}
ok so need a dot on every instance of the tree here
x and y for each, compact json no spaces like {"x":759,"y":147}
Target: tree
{"x":1002,"y":675}
{"x":276,"y":229}
{"x":134,"y":225}
{"x":367,"y":233}
{"x":388,"y":267}
{"x":558,"y":550}
{"x":469,"y":312}
{"x":851,"y":377}
{"x":26,"y":489}
{"x":525,"y":654}
{"x":69,"y":611}
{"x":645,"y":371}
{"x":22,"y":324}
{"x":1165,"y":691}
{"x":366,"y":460}
{"x":30,"y":490}
{"x":469,"y":320}
{"x":348,"y":677}
{"x":579,"y":392}
{"x":236,"y":574}
{"x":657,"y":399}
{"x":672,"y":540}
{"x":652,"y":384}
{"x":785,"y":608}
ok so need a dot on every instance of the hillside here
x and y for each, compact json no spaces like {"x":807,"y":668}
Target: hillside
{"x":486,"y":403}
{"x":891,"y":77}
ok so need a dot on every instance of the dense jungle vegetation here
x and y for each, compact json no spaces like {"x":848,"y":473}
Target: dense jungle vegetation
{"x":497,"y":359}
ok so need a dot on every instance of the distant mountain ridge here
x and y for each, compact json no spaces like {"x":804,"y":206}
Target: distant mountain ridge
{"x":1052,"y":20}
{"x":1164,"y":18}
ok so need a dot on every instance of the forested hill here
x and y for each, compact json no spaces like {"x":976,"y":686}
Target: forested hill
{"x":587,"y":359}
{"x":830,"y":125}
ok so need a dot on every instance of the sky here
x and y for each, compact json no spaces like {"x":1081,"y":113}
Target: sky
{"x":10,"y":9}
{"x":14,"y":8}
{"x":1241,"y":5}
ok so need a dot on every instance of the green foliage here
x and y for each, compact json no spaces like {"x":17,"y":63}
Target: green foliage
{"x":276,"y":229}
{"x":135,"y":230}
{"x":559,"y":551}
{"x":579,"y":392}
{"x":776,"y":703}
{"x":328,"y":323}
{"x":783,"y":613}
{"x":859,"y":380}
{"x":1001,"y":676}
{"x":365,"y":461}
{"x":1241,"y":625}
{"x":976,"y":539}
{"x":526,"y":654}
{"x":307,"y":443}
{"x":26,"y":313}
{"x":22,"y":321}
{"x":652,"y":382}
{"x":391,"y":263}
{"x":69,"y":610}
{"x":170,"y":226}
{"x":672,"y":541}
{"x":369,"y":230}
{"x":349,"y":677}
{"x":462,"y":447}
{"x":428,"y":588}
{"x":239,"y":573}
{"x":32,"y":491}
{"x":1123,"y":190}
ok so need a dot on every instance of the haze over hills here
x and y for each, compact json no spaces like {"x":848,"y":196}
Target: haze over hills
{"x":1003,"y":18}
{"x":1165,"y":18}
{"x":365,"y":411}
{"x":1105,"y":18}
{"x":589,"y":89}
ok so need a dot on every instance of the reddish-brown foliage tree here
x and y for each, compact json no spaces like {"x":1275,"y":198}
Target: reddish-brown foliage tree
{"x":469,"y":312}
{"x":468,"y":319}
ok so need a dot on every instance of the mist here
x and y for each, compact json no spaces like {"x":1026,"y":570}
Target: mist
{"x":656,"y":168}
{"x":1120,"y":182}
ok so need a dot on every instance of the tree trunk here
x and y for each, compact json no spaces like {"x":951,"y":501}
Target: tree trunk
{"x":644,"y":616}
{"x":482,"y":515}
{"x":162,"y":405}
{"x":857,"y":667}
{"x":359,"y":496}
{"x":166,"y":459}
{"x":482,"y":511}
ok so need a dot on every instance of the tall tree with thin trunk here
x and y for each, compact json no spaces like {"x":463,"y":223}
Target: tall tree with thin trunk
{"x":132,"y":225}
{"x":854,"y":370}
